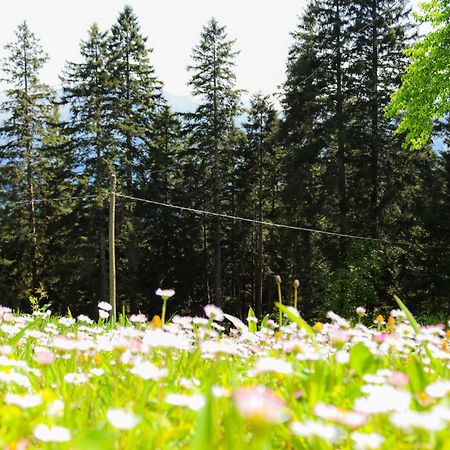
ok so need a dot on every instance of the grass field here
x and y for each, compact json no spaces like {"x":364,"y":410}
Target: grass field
{"x":215,"y":382}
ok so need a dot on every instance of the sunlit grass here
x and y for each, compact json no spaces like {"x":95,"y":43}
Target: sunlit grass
{"x":215,"y":382}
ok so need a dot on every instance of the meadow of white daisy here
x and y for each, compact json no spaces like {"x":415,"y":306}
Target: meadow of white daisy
{"x":215,"y":382}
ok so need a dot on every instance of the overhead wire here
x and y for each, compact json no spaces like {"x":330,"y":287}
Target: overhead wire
{"x":279,"y":225}
{"x":51,"y":200}
{"x":231,"y":217}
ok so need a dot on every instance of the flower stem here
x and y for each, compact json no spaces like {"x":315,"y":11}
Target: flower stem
{"x":280,"y":300}
{"x":163,"y":312}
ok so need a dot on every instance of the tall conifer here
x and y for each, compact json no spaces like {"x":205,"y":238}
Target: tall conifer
{"x":85,"y":91}
{"x":213,"y":81}
{"x":28,"y":108}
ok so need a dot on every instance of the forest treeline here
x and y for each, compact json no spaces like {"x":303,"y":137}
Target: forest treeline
{"x":328,"y":159}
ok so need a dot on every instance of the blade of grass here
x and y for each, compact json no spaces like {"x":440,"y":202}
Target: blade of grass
{"x":416,"y":327}
{"x":251,"y":325}
{"x":301,"y":323}
{"x":409,"y":316}
{"x":16,"y":338}
{"x":236,"y":322}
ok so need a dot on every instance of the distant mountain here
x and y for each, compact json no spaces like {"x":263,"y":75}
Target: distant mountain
{"x":180,"y":103}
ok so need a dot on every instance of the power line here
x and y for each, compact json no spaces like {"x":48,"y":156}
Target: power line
{"x":51,"y":200}
{"x":233,"y":217}
{"x":279,"y":225}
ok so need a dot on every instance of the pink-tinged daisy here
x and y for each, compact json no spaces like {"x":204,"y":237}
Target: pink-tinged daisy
{"x":276,"y":365}
{"x":408,"y":420}
{"x":138,"y":318}
{"x":75,"y":378}
{"x":103,"y":314}
{"x":85,"y":319}
{"x":194,"y":402}
{"x":361,"y":311}
{"x":260,"y":404}
{"x":352,"y":419}
{"x":438,"y":389}
{"x":331,"y":433}
{"x":44,"y":357}
{"x":148,"y":371}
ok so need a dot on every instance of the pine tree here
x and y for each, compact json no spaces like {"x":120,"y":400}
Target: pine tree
{"x":57,"y":236}
{"x":345,"y":62}
{"x":262,"y":161}
{"x":213,"y":123}
{"x":85,"y":91}
{"x":135,"y":103}
{"x":380,"y":33}
{"x":28,"y":108}
{"x":316,"y":136}
{"x":134,"y":92}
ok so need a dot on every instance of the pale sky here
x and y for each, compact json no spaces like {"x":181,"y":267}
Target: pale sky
{"x":261,"y":29}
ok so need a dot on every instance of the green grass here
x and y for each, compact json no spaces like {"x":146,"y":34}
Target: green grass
{"x":190,"y":384}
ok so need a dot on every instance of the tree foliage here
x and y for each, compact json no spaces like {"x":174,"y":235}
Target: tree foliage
{"x":424,"y":93}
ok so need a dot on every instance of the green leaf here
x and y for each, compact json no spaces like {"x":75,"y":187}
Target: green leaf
{"x":252,"y":325}
{"x":264,"y":321}
{"x":417,"y":376}
{"x":318,"y":382}
{"x":293,"y":317}
{"x":204,"y":431}
{"x":409,"y":316}
{"x":361,"y":359}
{"x":16,"y":338}
{"x":98,"y":439}
{"x":416,"y":327}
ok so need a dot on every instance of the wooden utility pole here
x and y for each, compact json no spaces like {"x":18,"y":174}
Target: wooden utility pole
{"x":112,"y":248}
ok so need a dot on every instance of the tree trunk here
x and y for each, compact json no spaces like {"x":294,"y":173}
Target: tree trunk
{"x":216,"y":203}
{"x":30,"y":183}
{"x":343,"y":205}
{"x":32,"y":219}
{"x":260,"y":263}
{"x":101,"y":215}
{"x":374,"y":150}
{"x":102,"y":254}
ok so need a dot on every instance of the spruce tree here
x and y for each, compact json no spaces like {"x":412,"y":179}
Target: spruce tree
{"x":62,"y":262}
{"x":345,"y":62}
{"x":28,"y":109}
{"x":88,"y":128}
{"x":380,"y":33}
{"x":316,"y":137}
{"x":213,"y":126}
{"x":135,"y":103}
{"x":262,"y":161}
{"x":134,"y":93}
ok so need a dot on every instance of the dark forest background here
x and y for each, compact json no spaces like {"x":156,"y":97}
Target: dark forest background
{"x":328,"y":159}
